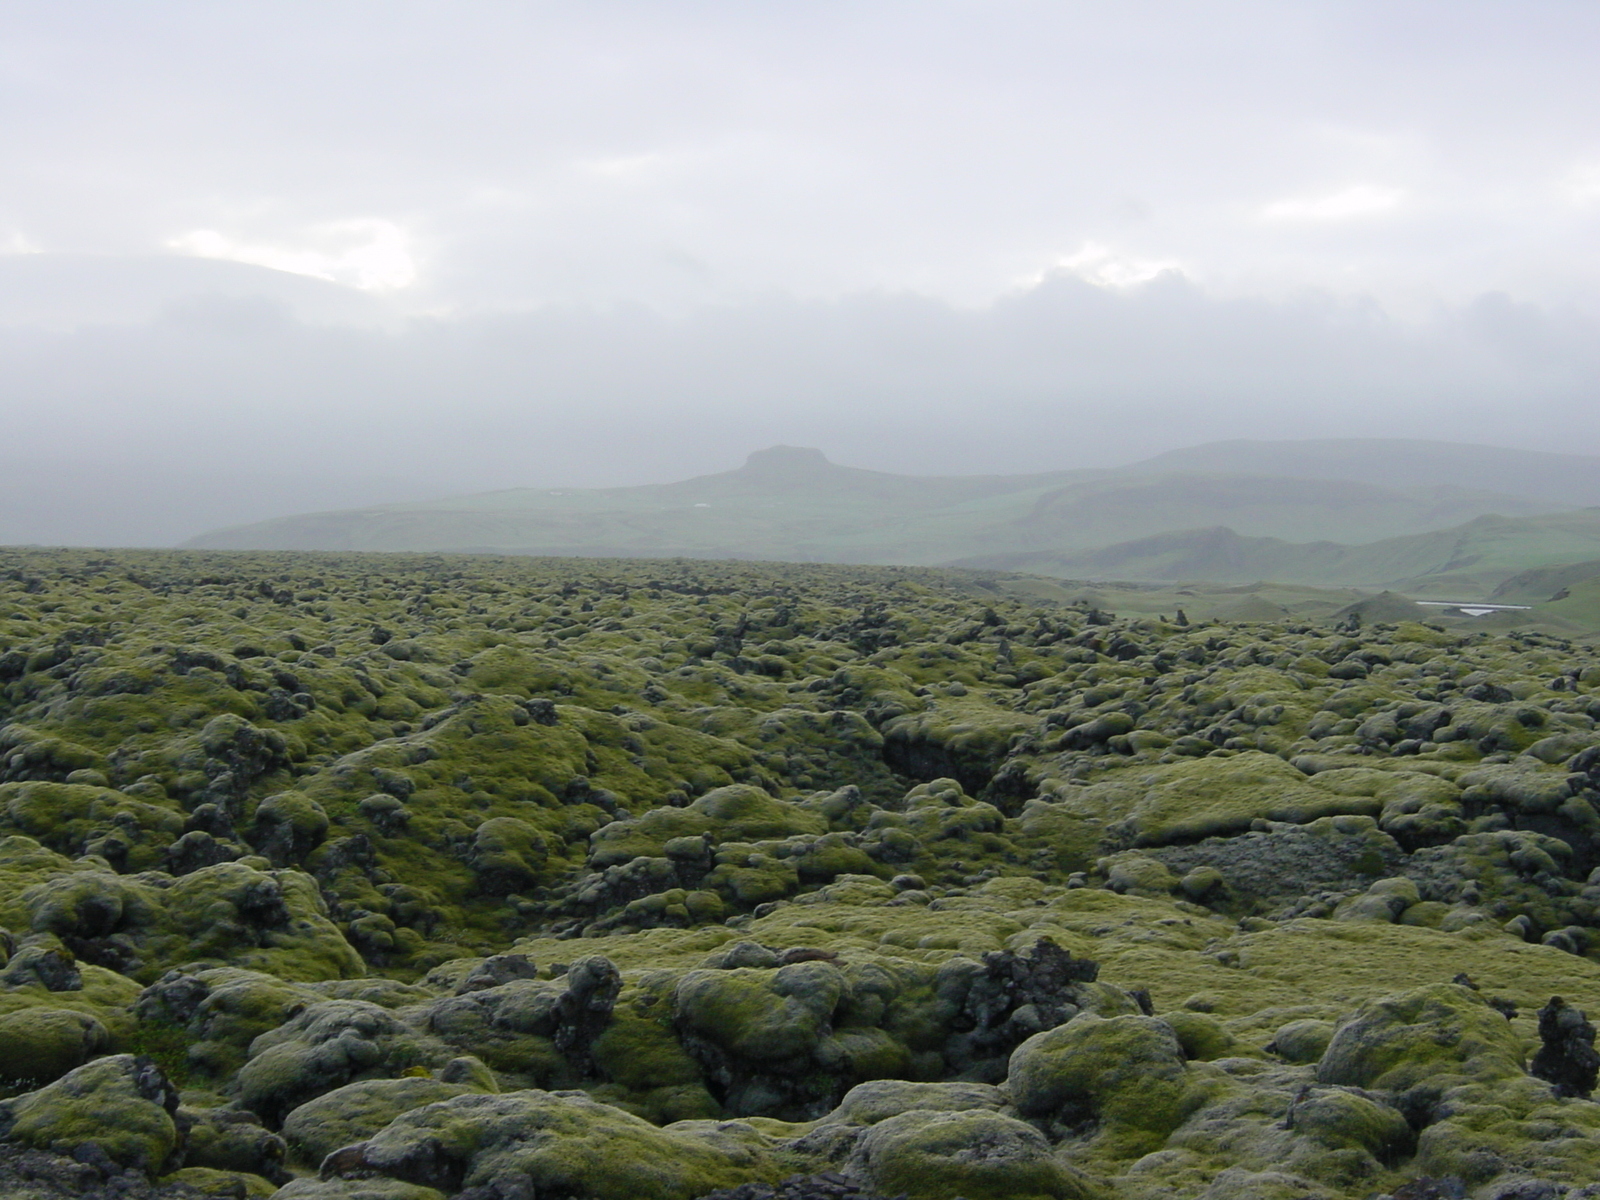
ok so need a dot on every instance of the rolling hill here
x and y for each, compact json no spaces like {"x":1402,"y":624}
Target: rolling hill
{"x":786,"y":502}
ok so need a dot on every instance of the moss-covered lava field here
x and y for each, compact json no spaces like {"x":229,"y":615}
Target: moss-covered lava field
{"x":409,"y":877}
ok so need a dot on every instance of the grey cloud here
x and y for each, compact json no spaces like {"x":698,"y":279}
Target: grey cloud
{"x":700,"y":150}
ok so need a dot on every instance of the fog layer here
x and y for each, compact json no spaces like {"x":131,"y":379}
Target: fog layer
{"x":225,"y":409}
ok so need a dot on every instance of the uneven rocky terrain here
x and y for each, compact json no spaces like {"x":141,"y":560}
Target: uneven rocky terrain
{"x":410,"y":877}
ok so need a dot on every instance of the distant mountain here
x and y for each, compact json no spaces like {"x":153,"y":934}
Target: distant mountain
{"x":1122,"y":506}
{"x":1463,"y":562}
{"x":786,"y":502}
{"x":792,"y":503}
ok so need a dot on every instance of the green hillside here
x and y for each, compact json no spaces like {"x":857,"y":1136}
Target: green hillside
{"x":1464,"y":562}
{"x":1578,"y":604}
{"x":1217,"y":554}
{"x":1543,"y":584}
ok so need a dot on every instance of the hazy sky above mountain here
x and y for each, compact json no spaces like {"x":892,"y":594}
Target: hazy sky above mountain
{"x":609,"y":242}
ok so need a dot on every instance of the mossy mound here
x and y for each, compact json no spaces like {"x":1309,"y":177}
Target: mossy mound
{"x":1430,"y":1034}
{"x":558,"y":1143}
{"x":120,"y":1104}
{"x":1209,"y":797}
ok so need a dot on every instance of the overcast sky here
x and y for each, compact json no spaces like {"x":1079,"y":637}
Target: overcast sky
{"x":259,"y":258}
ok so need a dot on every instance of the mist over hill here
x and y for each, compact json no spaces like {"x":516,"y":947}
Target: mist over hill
{"x":1559,"y":479}
{"x":1176,"y":516}
{"x":150,"y":399}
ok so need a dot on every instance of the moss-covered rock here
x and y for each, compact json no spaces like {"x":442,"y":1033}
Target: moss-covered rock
{"x":231,"y":1141}
{"x":1125,"y":1072}
{"x":38,"y":1045}
{"x":823,"y":825}
{"x":121,"y":1104}
{"x":1302,"y":1041}
{"x":356,"y":1111}
{"x":225,"y":1185}
{"x":869,"y":1103}
{"x":975,"y":1153}
{"x":559,"y":1143}
{"x":324,"y":1047}
{"x":1442,"y":1030}
{"x":218,"y":1012}
{"x":355,"y":1189}
{"x":1190,"y":800}
{"x":288,"y":827}
{"x":766,"y":1037}
{"x":1203,"y":1037}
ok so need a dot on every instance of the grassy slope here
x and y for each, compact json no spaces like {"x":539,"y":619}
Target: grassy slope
{"x":1540,"y":584}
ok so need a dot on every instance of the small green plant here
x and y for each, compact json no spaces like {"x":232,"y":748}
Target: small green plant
{"x":166,"y":1045}
{"x":1370,"y":862}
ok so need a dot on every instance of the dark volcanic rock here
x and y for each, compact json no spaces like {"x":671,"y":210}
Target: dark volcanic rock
{"x":86,"y":1174}
{"x":1567,"y":1058}
{"x":827,"y":1186}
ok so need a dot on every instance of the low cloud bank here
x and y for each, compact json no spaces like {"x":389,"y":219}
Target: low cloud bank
{"x":232,"y":407}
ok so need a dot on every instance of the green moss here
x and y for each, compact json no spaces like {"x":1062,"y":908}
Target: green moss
{"x":1342,"y":1120}
{"x":226,"y":1185}
{"x":366,"y":1189}
{"x":773,"y":1015}
{"x":1211,"y":797}
{"x":642,"y":1052}
{"x":1398,"y":1041}
{"x":1126,"y":1072}
{"x":67,"y":817}
{"x":1203,"y":1037}
{"x":356,"y":1111}
{"x":166,"y":1045}
{"x":1302,"y":1041}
